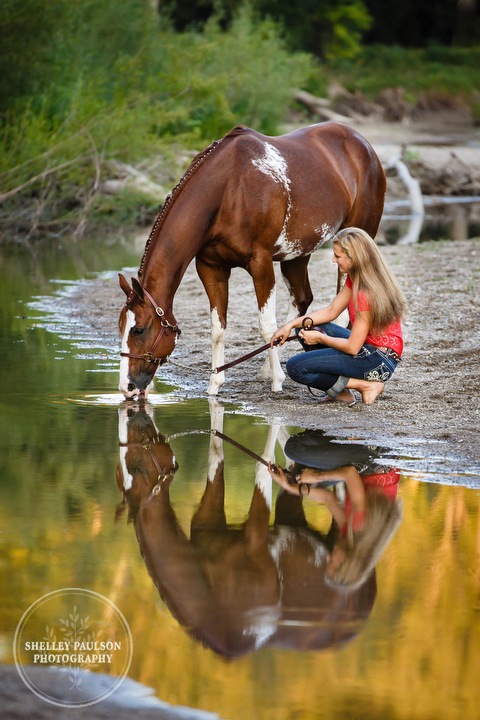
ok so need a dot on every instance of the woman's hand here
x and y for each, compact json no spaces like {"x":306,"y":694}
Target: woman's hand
{"x":302,"y":486}
{"x":313,"y":337}
{"x":279,"y":475}
{"x":280,"y":336}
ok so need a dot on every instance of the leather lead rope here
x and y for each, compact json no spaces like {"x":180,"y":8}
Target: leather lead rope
{"x":249,"y":355}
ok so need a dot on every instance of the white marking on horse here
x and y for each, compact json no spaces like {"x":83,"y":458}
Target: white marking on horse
{"x":291,"y":248}
{"x":218,"y":352}
{"x":124,"y":361}
{"x":268,"y":325}
{"x":275,"y":166}
{"x":263,"y":479}
{"x":130,"y":322}
{"x":325,"y":231}
{"x":123,"y":440}
{"x":288,"y":249}
{"x":215,"y":452}
{"x":263,"y":624}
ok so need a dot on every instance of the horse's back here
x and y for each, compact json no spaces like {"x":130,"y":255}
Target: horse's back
{"x":330,"y":172}
{"x":319,"y":137}
{"x":330,"y":148}
{"x":345,"y":158}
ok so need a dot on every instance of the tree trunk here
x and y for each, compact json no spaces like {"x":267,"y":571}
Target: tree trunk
{"x":466,"y":25}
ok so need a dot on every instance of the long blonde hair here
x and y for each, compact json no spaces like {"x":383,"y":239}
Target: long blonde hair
{"x":364,"y":549}
{"x":370,"y":273}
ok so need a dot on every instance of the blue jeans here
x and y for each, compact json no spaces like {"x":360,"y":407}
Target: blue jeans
{"x":330,"y":370}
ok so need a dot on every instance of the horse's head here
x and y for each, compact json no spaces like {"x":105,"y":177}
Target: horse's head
{"x":148,"y":339}
{"x":146,"y":458}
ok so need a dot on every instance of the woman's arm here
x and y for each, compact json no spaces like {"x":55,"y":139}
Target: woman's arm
{"x":351,"y":345}
{"x":319,"y":317}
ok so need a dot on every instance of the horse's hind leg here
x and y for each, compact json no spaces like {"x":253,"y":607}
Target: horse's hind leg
{"x":295,"y":275}
{"x":263,"y":479}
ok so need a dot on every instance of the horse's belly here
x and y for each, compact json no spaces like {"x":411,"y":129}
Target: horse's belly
{"x":289,"y":246}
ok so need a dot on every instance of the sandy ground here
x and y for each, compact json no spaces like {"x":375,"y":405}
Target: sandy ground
{"x":429,"y":412}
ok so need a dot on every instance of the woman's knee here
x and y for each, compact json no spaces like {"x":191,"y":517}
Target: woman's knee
{"x":293,"y":367}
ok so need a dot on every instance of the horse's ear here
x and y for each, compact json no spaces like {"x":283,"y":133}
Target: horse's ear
{"x":137,"y":289}
{"x":124,"y":284}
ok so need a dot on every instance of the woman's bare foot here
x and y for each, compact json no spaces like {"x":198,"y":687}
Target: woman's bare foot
{"x":374,"y":391}
{"x":369,"y":390}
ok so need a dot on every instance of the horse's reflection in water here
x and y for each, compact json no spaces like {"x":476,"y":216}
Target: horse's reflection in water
{"x":236,"y":588}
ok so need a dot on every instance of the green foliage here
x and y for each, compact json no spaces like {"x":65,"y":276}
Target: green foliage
{"x":448,"y":71}
{"x":347,"y":22}
{"x":119,"y":85}
{"x":136,"y":208}
{"x":333,"y":28}
{"x":25,"y":50}
{"x":85,"y":81}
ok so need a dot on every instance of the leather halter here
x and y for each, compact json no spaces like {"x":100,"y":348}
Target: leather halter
{"x":147,"y":444}
{"x":165,"y":327}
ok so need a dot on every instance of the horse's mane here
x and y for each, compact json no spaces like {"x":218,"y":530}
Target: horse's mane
{"x":171,"y":197}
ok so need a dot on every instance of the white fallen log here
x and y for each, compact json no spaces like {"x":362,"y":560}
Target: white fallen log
{"x":319,"y":106}
{"x":412,"y":185}
{"x":416,"y":201}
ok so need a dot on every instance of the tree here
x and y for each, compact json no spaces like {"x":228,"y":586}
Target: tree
{"x":419,"y":23}
{"x":326,"y":28}
{"x":467,"y":29}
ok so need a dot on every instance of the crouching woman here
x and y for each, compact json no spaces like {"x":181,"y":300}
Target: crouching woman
{"x":338,"y":360}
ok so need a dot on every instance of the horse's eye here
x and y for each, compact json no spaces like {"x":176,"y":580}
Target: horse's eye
{"x":138,"y":331}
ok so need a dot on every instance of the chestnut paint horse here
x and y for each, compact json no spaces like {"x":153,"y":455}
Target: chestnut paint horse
{"x":246,"y":201}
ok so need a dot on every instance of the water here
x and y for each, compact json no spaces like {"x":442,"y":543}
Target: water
{"x":451,"y":218}
{"x":248,"y":626}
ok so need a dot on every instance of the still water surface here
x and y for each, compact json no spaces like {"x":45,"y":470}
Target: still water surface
{"x":250,"y":627}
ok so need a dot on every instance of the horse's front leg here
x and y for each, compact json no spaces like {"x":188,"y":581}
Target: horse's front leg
{"x":215,"y":281}
{"x":264,"y":282}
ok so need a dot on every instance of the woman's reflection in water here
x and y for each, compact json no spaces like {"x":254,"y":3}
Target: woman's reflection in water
{"x":238,"y":588}
{"x":365,"y":518}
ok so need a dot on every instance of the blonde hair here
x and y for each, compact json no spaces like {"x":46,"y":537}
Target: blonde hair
{"x":363,"y":549}
{"x":370,"y":273}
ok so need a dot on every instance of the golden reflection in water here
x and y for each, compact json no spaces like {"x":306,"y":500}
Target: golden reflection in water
{"x":416,"y":655}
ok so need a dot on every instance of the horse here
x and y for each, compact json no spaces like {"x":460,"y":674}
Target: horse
{"x":247,"y":200}
{"x":235,"y":587}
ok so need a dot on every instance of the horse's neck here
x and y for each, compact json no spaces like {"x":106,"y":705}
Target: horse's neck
{"x":161,"y":278}
{"x":168,"y":259}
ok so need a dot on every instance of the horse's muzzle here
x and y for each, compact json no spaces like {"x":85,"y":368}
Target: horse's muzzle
{"x":138,"y":390}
